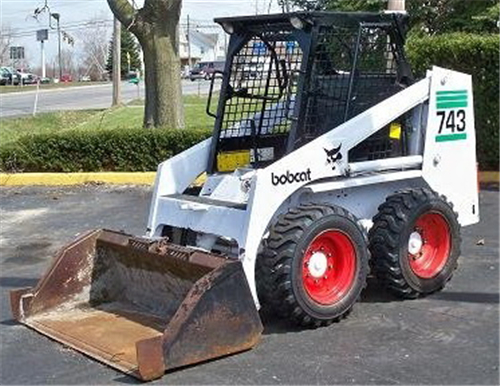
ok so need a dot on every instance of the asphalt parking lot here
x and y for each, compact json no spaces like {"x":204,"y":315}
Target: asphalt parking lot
{"x":451,"y":337}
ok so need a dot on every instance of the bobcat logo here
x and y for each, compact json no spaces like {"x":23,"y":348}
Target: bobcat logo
{"x":333,"y":155}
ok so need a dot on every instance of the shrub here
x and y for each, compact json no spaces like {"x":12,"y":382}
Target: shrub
{"x":477,"y":55}
{"x":101,"y":150}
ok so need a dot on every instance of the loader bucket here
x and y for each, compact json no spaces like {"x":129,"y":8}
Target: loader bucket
{"x":140,"y":306}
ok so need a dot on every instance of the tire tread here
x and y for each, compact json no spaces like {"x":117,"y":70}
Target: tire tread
{"x":274,"y":263}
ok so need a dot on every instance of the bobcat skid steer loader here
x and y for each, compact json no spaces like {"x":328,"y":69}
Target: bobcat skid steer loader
{"x":327,"y":158}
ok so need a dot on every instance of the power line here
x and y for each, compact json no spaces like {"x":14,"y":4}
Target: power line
{"x":67,"y":27}
{"x":197,"y":23}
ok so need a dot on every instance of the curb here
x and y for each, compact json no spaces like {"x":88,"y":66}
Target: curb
{"x":127,"y":178}
{"x":54,"y":89}
{"x":59,"y":179}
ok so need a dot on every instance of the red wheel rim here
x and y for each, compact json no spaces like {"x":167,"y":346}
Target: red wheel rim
{"x":431,"y":257}
{"x":328,"y":283}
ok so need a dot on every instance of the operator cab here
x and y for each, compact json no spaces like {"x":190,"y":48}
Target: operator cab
{"x":290,"y":78}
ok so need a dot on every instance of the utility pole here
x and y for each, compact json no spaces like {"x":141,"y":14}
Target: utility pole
{"x":393,"y":6}
{"x":188,"y":37}
{"x":116,"y":61}
{"x":59,"y":48}
{"x":57,"y":16}
{"x":396,"y":5}
{"x":41,"y":36}
{"x":43,"y":59}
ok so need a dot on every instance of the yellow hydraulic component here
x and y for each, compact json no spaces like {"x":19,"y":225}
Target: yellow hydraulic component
{"x":231,"y":160}
{"x":395,"y":130}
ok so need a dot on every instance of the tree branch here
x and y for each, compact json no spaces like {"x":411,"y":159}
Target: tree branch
{"x":123,"y":11}
{"x":159,"y":8}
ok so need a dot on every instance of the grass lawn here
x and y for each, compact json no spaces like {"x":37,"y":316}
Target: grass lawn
{"x":129,"y":116}
{"x":32,"y":87}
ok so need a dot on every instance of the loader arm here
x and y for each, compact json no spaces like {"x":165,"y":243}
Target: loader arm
{"x":175,"y":174}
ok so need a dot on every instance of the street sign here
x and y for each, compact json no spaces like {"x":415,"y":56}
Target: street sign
{"x":42,"y":35}
{"x":16,"y":53}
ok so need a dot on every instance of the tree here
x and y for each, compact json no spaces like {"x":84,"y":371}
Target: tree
{"x":94,"y":47}
{"x":440,"y":16}
{"x":426,"y":16}
{"x":155,"y":26}
{"x":340,"y":5}
{"x":5,"y":43}
{"x":68,"y":62}
{"x":128,"y":46}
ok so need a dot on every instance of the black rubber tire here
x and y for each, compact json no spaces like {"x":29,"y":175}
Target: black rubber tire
{"x":279,"y":265}
{"x":392,"y":226}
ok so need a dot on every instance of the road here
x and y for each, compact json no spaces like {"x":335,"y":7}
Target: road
{"x":450,"y":337}
{"x":79,"y":98}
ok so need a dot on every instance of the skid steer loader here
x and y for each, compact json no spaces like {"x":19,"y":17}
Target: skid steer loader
{"x":327,"y":159}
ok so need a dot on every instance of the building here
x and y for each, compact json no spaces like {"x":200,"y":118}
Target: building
{"x":205,"y":47}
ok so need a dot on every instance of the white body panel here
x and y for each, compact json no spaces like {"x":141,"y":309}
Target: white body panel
{"x":450,"y":148}
{"x":242,"y":205}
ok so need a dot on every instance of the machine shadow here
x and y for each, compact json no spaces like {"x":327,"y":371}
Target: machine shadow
{"x":376,"y":293}
{"x":127,"y":379}
{"x":468,"y":297}
{"x":373,"y":293}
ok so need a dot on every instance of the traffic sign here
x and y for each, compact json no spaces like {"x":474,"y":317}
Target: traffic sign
{"x":16,"y":52}
{"x":42,"y":35}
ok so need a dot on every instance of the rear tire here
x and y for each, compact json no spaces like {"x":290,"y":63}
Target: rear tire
{"x":415,"y":243}
{"x":314,"y":265}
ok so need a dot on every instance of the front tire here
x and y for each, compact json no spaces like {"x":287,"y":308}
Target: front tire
{"x":314,"y":264}
{"x":415,"y":243}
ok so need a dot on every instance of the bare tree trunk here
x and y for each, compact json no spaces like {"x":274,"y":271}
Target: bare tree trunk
{"x":155,"y":26}
{"x":150,"y":82}
{"x":116,"y":62}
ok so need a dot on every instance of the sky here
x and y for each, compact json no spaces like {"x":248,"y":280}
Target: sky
{"x":17,"y":15}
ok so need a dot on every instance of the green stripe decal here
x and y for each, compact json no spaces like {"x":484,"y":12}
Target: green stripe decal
{"x":452,"y":99}
{"x":451,"y":137}
{"x":445,"y":98}
{"x":451,"y":92}
{"x":451,"y":105}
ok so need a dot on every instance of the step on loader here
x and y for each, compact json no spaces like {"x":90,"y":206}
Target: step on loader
{"x":328,"y":159}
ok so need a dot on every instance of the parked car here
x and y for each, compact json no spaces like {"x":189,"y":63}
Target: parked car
{"x":205,"y":70}
{"x":4,"y":77}
{"x":10,"y":75}
{"x":26,"y":77}
{"x":66,"y":78}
